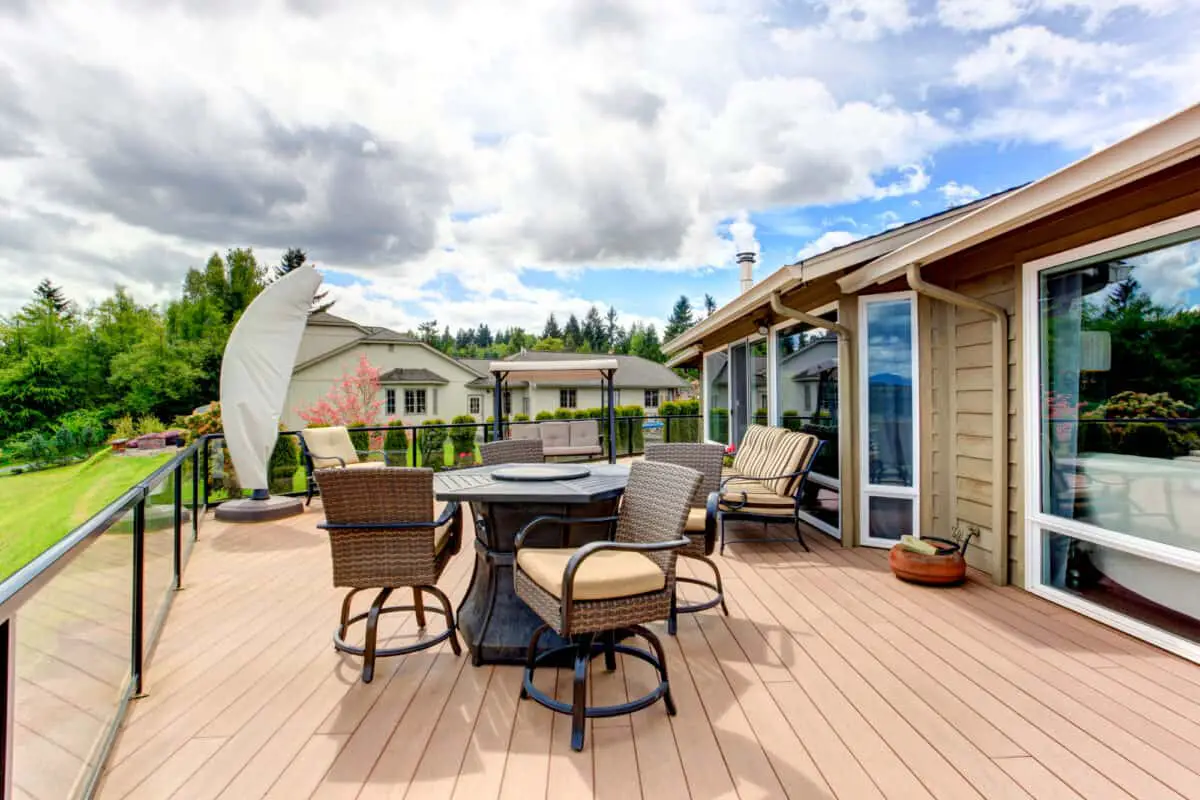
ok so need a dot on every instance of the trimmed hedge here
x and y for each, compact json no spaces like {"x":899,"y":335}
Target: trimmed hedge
{"x":681,"y":430}
{"x":361,"y":439}
{"x":433,"y":444}
{"x":544,"y":415}
{"x":396,"y":441}
{"x":463,"y":438}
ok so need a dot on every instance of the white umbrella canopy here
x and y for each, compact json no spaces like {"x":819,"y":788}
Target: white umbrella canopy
{"x":256,"y":370}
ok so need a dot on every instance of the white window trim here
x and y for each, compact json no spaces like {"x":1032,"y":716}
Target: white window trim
{"x":1035,"y":519}
{"x":867,"y":490}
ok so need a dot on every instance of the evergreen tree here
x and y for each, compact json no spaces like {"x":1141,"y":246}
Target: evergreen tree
{"x":551,"y":331}
{"x":294,"y":258}
{"x":594,"y":334}
{"x":572,"y":334}
{"x":710,"y":305}
{"x":611,"y":328}
{"x":51,"y":297}
{"x":446,"y":344}
{"x":427,"y":331}
{"x":483,"y":337}
{"x":680,"y":320}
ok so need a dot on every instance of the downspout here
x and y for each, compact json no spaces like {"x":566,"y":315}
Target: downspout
{"x":810,"y":319}
{"x":999,"y":408}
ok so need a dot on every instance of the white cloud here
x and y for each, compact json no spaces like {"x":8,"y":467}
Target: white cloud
{"x":826,"y":242}
{"x":980,"y":15}
{"x":868,"y":20}
{"x":1040,"y":62}
{"x":956,"y":194}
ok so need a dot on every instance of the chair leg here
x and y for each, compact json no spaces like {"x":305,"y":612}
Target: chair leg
{"x":610,"y":651}
{"x":673,"y":616}
{"x":800,"y":536}
{"x":419,"y":607}
{"x":368,"y":673}
{"x":531,"y":658}
{"x":583,"y":655}
{"x":662,"y":666}
{"x":344,"y":620}
{"x":451,"y":622}
{"x":720,"y":584}
{"x":721,"y":525}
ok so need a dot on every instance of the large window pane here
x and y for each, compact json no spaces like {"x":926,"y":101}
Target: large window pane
{"x":889,"y":392}
{"x":716,"y":379}
{"x":1120,"y":386}
{"x":1157,"y":594}
{"x":889,"y":517}
{"x":758,"y":379}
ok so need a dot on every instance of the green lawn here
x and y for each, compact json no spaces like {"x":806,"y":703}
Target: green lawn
{"x":39,"y":508}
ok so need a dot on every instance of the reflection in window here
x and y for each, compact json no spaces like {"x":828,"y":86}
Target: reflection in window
{"x":889,"y":517}
{"x":1158,"y":594}
{"x":806,"y":372}
{"x":716,"y":378}
{"x":1120,"y":386}
{"x":889,"y":392}
{"x":758,"y":374}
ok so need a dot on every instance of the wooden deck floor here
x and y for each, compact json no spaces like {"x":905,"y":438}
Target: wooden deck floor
{"x":828,"y":679}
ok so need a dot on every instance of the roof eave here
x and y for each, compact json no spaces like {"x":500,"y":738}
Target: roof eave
{"x":1154,"y":149}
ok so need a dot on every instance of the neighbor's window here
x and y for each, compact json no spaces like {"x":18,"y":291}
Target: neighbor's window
{"x":476,"y":404}
{"x":389,"y":405}
{"x":507,"y":402}
{"x":1120,"y":395}
{"x":651,"y":398}
{"x":566,"y":398}
{"x":414,"y":401}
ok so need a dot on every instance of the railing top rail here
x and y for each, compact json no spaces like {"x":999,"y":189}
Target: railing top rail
{"x":25,"y":582}
{"x":419,"y":426}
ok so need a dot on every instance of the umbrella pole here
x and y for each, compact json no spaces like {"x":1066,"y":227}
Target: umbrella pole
{"x":612,"y":423}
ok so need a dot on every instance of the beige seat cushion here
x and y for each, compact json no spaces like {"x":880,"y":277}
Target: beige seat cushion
{"x":751,"y":456}
{"x":790,"y":453}
{"x":327,"y":445}
{"x":755,"y":492}
{"x":365,"y":465}
{"x":697,"y":517}
{"x":585,"y":433}
{"x":603,"y":576}
{"x":525,"y":432}
{"x":555,"y":434}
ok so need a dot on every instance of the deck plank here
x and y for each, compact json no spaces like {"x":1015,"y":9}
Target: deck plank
{"x":820,"y":683}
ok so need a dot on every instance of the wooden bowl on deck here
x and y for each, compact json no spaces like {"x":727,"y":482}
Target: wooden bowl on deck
{"x":947,"y":568}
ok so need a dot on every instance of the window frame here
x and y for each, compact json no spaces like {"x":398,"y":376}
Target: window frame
{"x":568,"y":398}
{"x":1038,"y":522}
{"x":646,"y":396}
{"x":389,"y":402}
{"x":416,"y":395}
{"x":475,"y":404}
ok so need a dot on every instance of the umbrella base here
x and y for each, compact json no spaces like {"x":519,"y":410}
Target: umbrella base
{"x":271,"y":508}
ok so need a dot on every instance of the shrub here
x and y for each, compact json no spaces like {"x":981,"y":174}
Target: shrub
{"x":630,"y":438}
{"x":433,"y":444}
{"x":463,"y":438}
{"x":541,"y":415}
{"x":760,"y":416}
{"x":360,"y":438}
{"x":395,"y":443}
{"x":86,"y":430}
{"x":520,"y":418}
{"x":681,"y":430}
{"x":281,"y":468}
{"x":148,"y":423}
{"x":1149,"y":439}
{"x":124,"y":427}
{"x":564,"y":413}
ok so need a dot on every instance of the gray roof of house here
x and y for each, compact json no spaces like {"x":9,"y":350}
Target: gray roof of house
{"x":325,"y":318}
{"x":415,"y":375}
{"x":633,"y":372}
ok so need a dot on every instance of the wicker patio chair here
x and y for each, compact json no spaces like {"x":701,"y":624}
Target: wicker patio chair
{"x":383,"y":535}
{"x":701,"y":527}
{"x":589,"y":594}
{"x":324,"y":448}
{"x":512,"y":451}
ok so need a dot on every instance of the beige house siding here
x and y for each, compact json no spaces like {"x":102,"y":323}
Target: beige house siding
{"x":320,"y":339}
{"x":314,"y":382}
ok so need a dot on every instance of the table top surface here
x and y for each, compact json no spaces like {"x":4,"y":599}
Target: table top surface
{"x":477,"y":485}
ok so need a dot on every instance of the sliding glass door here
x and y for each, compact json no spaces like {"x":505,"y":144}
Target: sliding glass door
{"x":806,"y":392}
{"x":888,"y":414}
{"x":1113,"y":377}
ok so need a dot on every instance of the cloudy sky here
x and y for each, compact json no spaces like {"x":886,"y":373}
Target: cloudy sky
{"x":492,"y":161}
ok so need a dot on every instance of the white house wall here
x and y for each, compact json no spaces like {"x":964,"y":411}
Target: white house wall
{"x":320,"y":339}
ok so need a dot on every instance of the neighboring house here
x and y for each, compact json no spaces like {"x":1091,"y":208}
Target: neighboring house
{"x":420,"y":382}
{"x":638,"y":382}
{"x":980,"y":365}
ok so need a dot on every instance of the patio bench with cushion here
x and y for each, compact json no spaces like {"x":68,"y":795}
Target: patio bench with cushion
{"x":580,"y":437}
{"x":326,"y":448}
{"x":767,"y":480}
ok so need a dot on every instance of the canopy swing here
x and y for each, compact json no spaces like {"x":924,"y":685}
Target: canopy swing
{"x":541,"y":371}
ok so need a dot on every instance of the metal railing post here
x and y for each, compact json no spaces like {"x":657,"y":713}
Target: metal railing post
{"x":137,"y":654}
{"x":195,"y":493}
{"x":8,"y":702}
{"x":204,"y":466}
{"x":417,"y":459}
{"x":177,"y":545}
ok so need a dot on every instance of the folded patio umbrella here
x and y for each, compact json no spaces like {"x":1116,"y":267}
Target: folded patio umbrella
{"x":257,"y":368}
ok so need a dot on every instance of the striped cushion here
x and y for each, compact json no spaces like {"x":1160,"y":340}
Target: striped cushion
{"x":790,"y":454}
{"x":752,"y":453}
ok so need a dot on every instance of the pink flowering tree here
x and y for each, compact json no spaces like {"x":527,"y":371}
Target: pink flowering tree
{"x":354,"y":400}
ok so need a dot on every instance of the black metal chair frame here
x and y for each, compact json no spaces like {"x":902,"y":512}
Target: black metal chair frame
{"x":369,"y":651}
{"x":585,"y":647}
{"x":733,"y":511}
{"x":310,"y":482}
{"x":716,"y":586}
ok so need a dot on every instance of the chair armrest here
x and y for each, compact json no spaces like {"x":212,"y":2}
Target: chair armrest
{"x":376,"y":526}
{"x":519,"y":540}
{"x":376,"y":452}
{"x":452,"y":508}
{"x":313,"y":455}
{"x":711,"y":508}
{"x":795,"y":474}
{"x":591,"y":548}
